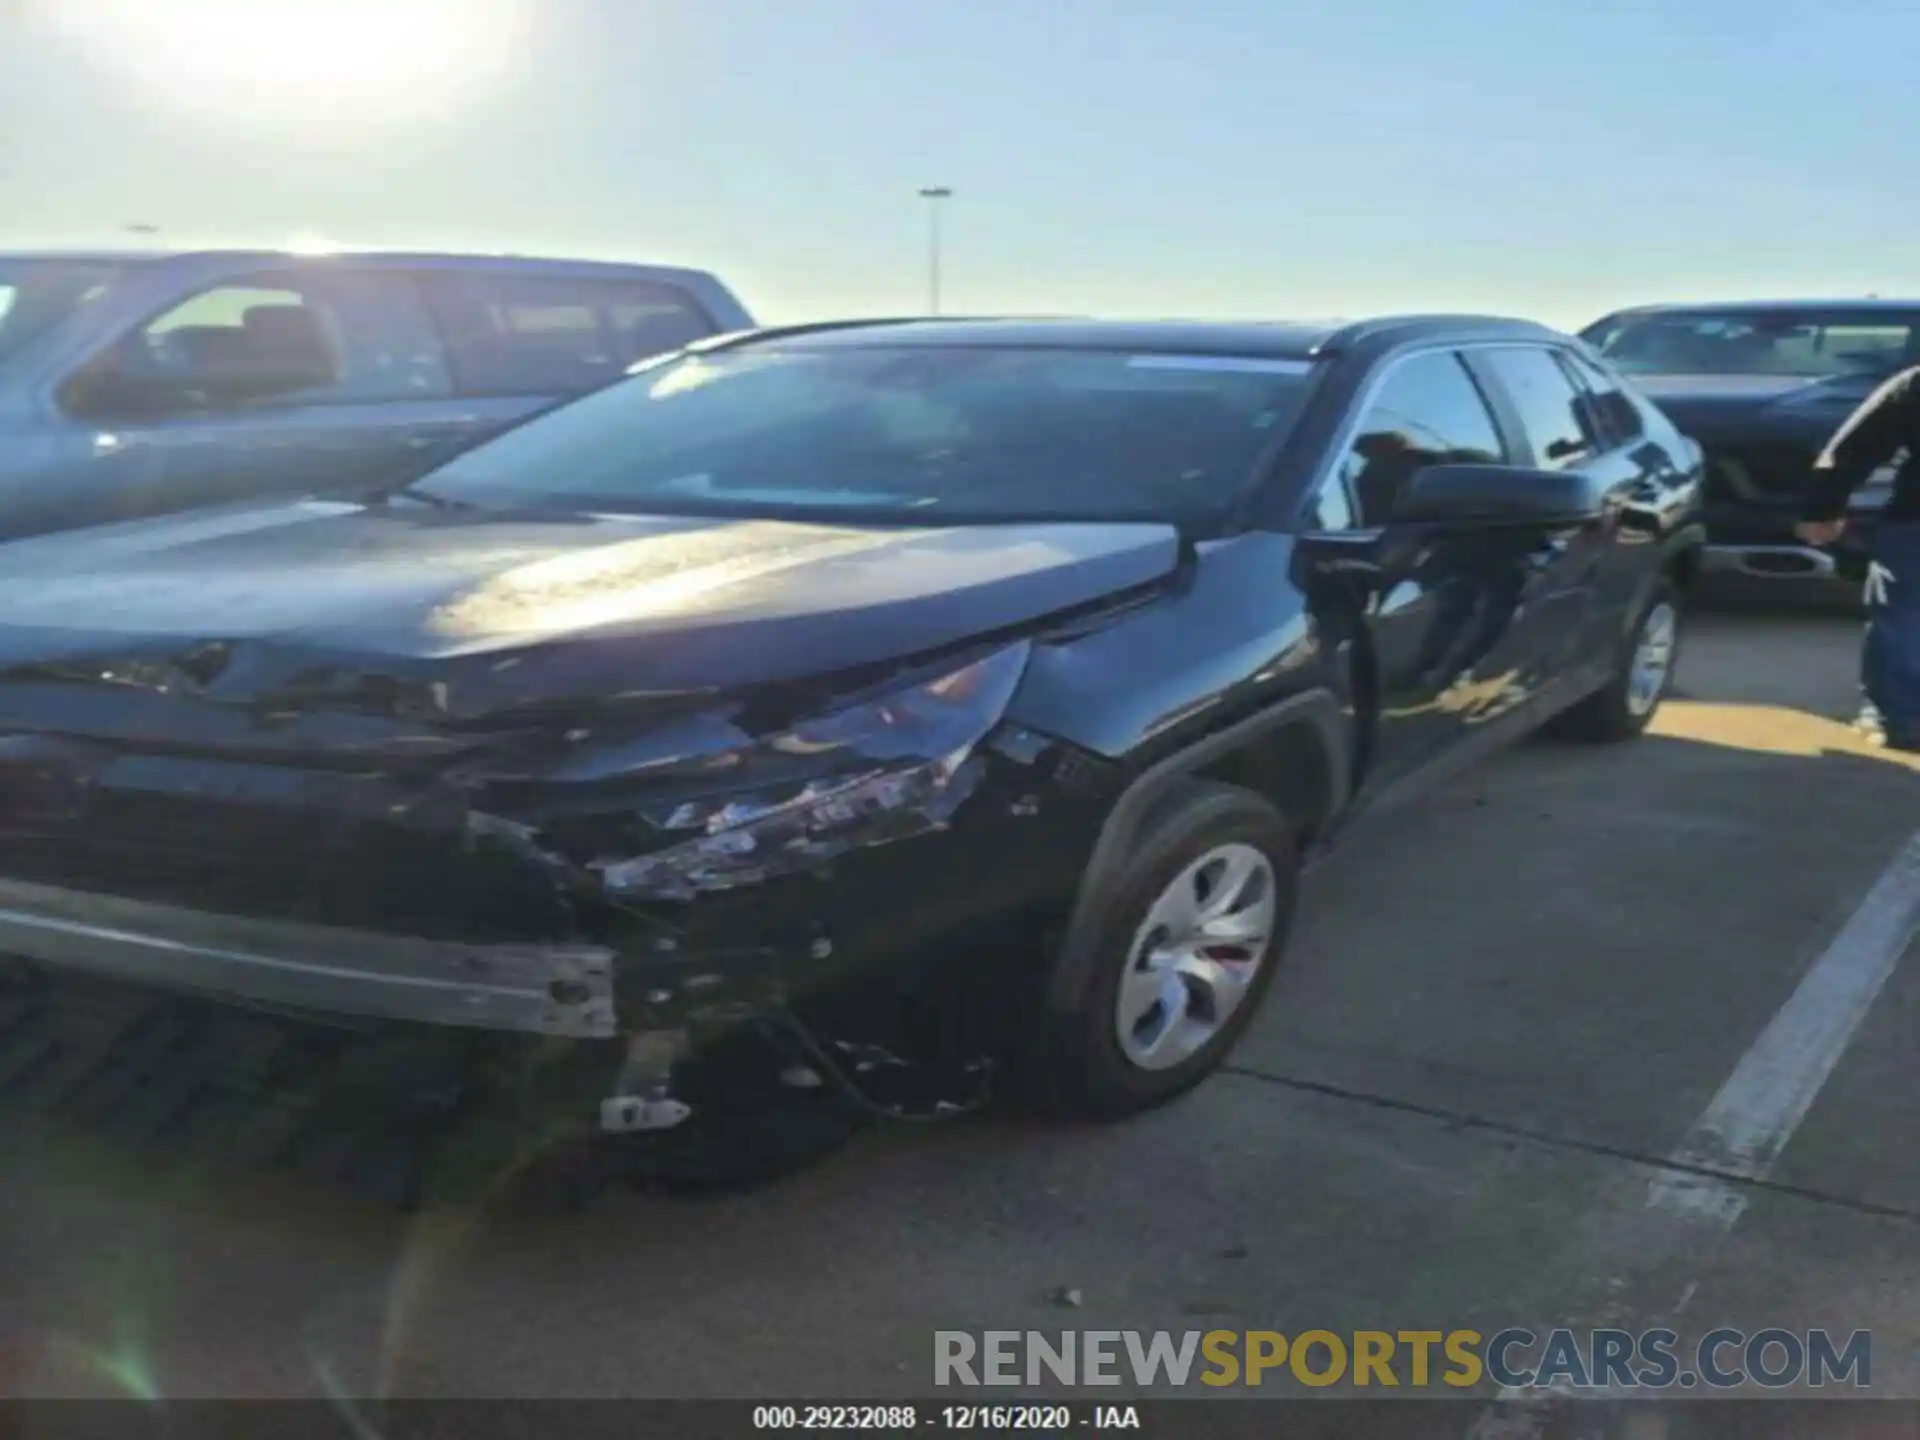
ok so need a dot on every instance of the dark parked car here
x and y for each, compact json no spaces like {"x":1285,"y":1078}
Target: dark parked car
{"x":1763,"y":387}
{"x":132,"y":384}
{"x":837,"y":711}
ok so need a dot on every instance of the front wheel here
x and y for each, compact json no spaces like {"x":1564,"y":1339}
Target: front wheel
{"x":1626,"y":706}
{"x":1185,"y":941}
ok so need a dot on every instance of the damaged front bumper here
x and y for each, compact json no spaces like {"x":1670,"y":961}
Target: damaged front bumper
{"x":690,"y":896}
{"x":542,"y":989}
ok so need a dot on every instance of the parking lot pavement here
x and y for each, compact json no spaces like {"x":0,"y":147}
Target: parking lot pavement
{"x":1503,"y":1015}
{"x":1850,"y":1144}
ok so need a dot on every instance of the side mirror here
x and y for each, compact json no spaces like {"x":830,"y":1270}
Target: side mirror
{"x":1495,"y":495}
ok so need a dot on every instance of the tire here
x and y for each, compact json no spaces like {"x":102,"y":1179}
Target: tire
{"x":1617,"y":712}
{"x":1081,"y":1066}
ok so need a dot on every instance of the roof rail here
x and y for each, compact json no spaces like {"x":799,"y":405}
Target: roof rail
{"x":1378,"y":326}
{"x":734,"y":339}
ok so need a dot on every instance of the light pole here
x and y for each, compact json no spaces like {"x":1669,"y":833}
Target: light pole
{"x":933,"y":195}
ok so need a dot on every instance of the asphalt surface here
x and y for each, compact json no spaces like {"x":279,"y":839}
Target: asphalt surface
{"x":1502,"y":1020}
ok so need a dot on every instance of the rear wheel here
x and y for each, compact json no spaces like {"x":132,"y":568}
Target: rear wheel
{"x":1630,"y":700}
{"x":1185,"y":942}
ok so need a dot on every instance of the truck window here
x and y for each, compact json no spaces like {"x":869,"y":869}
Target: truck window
{"x":533,"y":335}
{"x":280,"y":339}
{"x":1427,"y":412}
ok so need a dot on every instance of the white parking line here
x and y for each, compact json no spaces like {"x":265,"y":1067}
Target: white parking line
{"x":1742,"y":1133}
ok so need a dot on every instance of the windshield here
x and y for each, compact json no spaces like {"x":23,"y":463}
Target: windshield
{"x":945,"y":435}
{"x":1811,"y":345}
{"x":36,"y":295}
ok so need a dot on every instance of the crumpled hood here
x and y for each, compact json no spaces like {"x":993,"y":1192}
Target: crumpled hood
{"x":480,"y":612}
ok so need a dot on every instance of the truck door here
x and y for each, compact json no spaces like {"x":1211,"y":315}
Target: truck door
{"x":275,"y":384}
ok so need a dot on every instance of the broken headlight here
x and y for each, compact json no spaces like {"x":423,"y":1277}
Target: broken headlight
{"x":878,"y":770}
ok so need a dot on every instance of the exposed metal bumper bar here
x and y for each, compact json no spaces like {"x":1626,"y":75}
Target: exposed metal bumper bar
{"x":1770,"y":562}
{"x":541,"y":989}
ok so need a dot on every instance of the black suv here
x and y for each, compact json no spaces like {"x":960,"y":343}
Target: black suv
{"x":852,"y":711}
{"x":1763,"y":387}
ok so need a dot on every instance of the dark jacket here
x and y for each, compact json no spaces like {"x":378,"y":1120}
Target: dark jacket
{"x":1888,"y":420}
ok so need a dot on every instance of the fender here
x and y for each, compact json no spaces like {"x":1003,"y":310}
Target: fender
{"x":1316,"y":711}
{"x":1680,"y":549}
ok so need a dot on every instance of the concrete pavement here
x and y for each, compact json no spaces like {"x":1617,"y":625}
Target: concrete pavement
{"x":1502,"y":1013}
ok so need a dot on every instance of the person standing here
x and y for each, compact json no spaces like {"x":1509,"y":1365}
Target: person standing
{"x":1884,"y":425}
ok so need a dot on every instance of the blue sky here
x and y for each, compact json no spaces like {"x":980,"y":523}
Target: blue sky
{"x":1191,"y":158}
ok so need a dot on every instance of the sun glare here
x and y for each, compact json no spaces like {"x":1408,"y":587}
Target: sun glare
{"x":328,"y":66}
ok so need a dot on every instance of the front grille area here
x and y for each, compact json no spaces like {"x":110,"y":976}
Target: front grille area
{"x":204,"y":846}
{"x":394,"y":1114}
{"x":385,"y":878}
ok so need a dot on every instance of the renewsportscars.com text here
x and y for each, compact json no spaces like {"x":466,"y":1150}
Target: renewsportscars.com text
{"x":1413,"y":1359}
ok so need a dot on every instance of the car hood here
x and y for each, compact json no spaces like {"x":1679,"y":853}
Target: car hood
{"x":466,"y":614}
{"x":1725,"y":389}
{"x":1716,"y":407}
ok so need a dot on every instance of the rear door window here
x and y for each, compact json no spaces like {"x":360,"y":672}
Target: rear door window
{"x":1546,"y":402}
{"x":535,"y":335}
